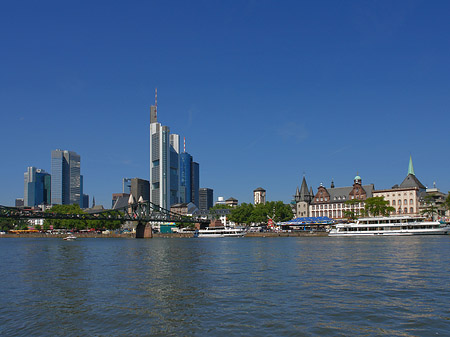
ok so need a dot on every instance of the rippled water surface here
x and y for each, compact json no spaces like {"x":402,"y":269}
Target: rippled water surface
{"x":322,"y":286}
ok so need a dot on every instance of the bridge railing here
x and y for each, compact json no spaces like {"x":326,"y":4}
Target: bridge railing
{"x":141,"y":211}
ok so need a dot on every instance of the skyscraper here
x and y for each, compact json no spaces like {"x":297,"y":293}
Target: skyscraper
{"x":36,"y":187}
{"x":185,"y":177}
{"x":195,"y":182}
{"x":189,"y":178}
{"x":140,"y":188}
{"x":66,"y":180}
{"x":206,"y":198}
{"x":164,"y":162}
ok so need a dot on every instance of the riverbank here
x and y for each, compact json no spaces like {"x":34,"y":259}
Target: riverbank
{"x":160,"y":235}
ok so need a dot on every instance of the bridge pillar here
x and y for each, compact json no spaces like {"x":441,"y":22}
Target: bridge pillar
{"x":144,"y":231}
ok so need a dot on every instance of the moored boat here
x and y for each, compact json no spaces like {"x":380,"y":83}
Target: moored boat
{"x":394,"y":225}
{"x":220,"y":232}
{"x":70,"y":237}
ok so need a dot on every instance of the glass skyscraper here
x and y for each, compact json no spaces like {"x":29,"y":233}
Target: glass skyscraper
{"x":36,"y":187}
{"x":66,"y":179}
{"x":185,"y":175}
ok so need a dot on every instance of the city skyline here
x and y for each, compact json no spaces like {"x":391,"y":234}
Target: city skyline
{"x":263,"y":92}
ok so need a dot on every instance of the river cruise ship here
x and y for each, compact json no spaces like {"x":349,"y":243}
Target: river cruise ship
{"x":219,"y":232}
{"x":394,"y":225}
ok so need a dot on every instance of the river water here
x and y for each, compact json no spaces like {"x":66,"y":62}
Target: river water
{"x":318,"y":286}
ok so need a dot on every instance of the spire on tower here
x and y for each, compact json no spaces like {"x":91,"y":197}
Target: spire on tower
{"x":410,"y":167}
{"x":184,"y":144}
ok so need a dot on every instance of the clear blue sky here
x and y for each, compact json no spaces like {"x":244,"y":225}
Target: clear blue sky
{"x":264,"y":91}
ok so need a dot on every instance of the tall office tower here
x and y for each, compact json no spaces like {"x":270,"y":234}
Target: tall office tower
{"x":206,"y":199}
{"x":85,"y":201}
{"x":185,"y":177}
{"x":164,"y":162}
{"x":36,"y":187}
{"x":195,"y":182}
{"x":126,"y":185}
{"x":140,"y":188}
{"x":189,"y":178}
{"x":174,"y":169}
{"x":66,"y":180}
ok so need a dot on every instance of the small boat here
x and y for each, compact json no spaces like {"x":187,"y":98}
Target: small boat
{"x":393,"y":225}
{"x":220,"y":232}
{"x":70,"y":237}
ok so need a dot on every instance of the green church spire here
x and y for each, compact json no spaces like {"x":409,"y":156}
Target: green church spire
{"x":411,"y":168}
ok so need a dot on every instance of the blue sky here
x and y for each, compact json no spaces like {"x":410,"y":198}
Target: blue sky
{"x":263,"y":91}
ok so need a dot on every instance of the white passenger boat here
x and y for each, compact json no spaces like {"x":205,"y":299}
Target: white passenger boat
{"x":70,"y":237}
{"x":393,"y":225}
{"x":220,"y":232}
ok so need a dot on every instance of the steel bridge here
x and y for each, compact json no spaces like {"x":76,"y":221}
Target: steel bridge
{"x":145,"y":213}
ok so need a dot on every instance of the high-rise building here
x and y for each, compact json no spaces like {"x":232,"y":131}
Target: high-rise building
{"x":19,"y":202}
{"x":185,"y":177}
{"x":36,"y":187}
{"x":85,"y":201}
{"x":126,"y":185}
{"x":195,"y":183}
{"x":189,"y":178}
{"x":140,"y":188}
{"x":164,"y":162}
{"x":66,"y":180}
{"x":206,"y":198}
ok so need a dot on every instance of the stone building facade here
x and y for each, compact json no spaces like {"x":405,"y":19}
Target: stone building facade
{"x":331,"y":202}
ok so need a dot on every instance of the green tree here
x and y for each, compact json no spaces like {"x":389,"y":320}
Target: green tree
{"x":447,"y":201}
{"x":430,"y":208}
{"x":261,"y":213}
{"x":66,"y":223}
{"x":78,"y":223}
{"x":21,"y":224}
{"x":213,"y":210}
{"x":6,"y":224}
{"x":376,"y":206}
{"x":351,"y":214}
{"x":241,"y":214}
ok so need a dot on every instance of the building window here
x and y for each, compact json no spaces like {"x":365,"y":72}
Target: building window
{"x":411,"y":210}
{"x":406,"y":210}
{"x":399,"y":202}
{"x":411,"y":201}
{"x":405,"y":202}
{"x":393,"y":202}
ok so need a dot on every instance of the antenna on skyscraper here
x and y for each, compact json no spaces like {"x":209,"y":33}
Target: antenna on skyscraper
{"x":156,"y":100}
{"x":184,"y":144}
